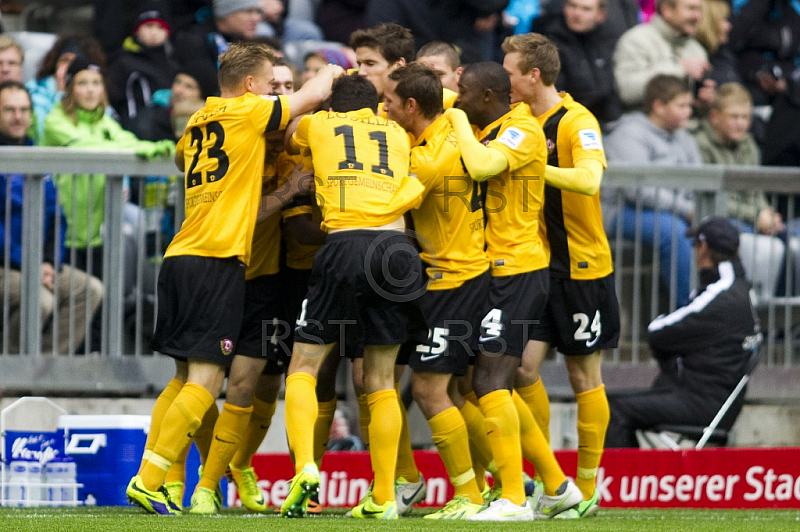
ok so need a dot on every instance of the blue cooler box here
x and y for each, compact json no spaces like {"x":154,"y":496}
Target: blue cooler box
{"x":107,"y":451}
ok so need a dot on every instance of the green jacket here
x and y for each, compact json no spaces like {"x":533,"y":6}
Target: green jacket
{"x":93,"y":129}
{"x":744,"y":206}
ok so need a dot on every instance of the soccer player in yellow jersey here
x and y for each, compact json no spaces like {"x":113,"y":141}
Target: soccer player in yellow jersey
{"x":510,"y":152}
{"x":443,"y":59}
{"x":582,"y":315}
{"x":201,"y":283}
{"x":449,"y":225}
{"x":363,"y":282}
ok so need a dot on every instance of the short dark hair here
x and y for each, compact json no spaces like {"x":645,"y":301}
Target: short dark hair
{"x":12,"y":84}
{"x":392,"y":41}
{"x":353,"y":92}
{"x":419,"y":82}
{"x":663,"y":88}
{"x":442,"y":49}
{"x":491,"y":76}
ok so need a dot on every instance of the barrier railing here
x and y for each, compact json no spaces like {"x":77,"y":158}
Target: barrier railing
{"x":133,"y":242}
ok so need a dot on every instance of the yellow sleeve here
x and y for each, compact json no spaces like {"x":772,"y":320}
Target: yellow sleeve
{"x":585,"y":139}
{"x":482,"y":162}
{"x":448,"y":98}
{"x":422,"y":167}
{"x":273,"y":112}
{"x":517,"y":141}
{"x":585,"y":178}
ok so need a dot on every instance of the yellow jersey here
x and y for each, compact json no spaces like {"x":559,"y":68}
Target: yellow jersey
{"x":360,"y":168}
{"x":265,"y":258}
{"x":573,"y":223}
{"x":450,"y":218}
{"x":299,"y":256}
{"x":223,"y":151}
{"x":515,"y":197}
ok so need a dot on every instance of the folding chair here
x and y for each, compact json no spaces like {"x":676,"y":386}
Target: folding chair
{"x":712,"y":432}
{"x":727,"y":413}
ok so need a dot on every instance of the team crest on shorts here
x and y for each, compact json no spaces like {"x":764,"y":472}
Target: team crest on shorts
{"x":226,"y":346}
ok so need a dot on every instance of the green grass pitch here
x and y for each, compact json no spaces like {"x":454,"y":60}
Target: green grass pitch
{"x":110,"y":519}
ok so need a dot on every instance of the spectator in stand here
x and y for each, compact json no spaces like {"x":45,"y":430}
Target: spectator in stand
{"x":621,"y":15}
{"x":586,"y":50}
{"x":713,"y":32}
{"x":73,"y":290}
{"x":658,"y":136}
{"x":765,"y":35}
{"x":80,"y":120}
{"x":140,"y":69}
{"x":11,"y":57}
{"x":701,"y":349}
{"x":339,"y":18}
{"x":48,"y":85}
{"x":276,"y":24}
{"x":665,"y":45}
{"x":190,"y":88}
{"x":724,"y":138}
{"x":468,"y":24}
{"x":233,"y":21}
{"x":443,"y":59}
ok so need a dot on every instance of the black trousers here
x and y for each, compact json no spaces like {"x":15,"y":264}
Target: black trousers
{"x":644,"y":409}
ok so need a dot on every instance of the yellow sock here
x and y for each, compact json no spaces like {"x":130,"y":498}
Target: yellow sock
{"x":535,"y":396}
{"x":472,"y":398}
{"x":479,"y":447}
{"x":535,"y":448}
{"x":177,"y":471}
{"x":593,"y":417}
{"x":205,"y":432}
{"x":177,"y":428}
{"x":228,"y":433}
{"x":450,"y":438}
{"x":406,"y":467}
{"x":257,"y":427}
{"x":502,"y":427}
{"x":363,"y":419}
{"x":301,"y":410}
{"x":322,"y":428}
{"x":384,"y":430}
{"x":165,"y":399}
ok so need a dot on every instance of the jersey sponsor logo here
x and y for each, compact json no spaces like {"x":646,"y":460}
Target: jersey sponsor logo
{"x":590,"y":139}
{"x":512,"y":137}
{"x":226,"y":346}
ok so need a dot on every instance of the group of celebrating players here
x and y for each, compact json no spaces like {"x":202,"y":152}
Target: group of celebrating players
{"x":452,"y":224}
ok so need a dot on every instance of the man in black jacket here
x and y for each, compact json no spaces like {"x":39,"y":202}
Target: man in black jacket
{"x":701,"y":348}
{"x":586,"y":46}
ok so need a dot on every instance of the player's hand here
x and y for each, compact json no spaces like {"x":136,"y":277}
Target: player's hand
{"x":453,"y":115}
{"x":335,"y":70}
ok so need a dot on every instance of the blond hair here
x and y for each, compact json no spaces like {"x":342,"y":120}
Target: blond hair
{"x":7,"y":42}
{"x":242,"y":59}
{"x":709,"y":28}
{"x":731,"y":93}
{"x":536,"y":51}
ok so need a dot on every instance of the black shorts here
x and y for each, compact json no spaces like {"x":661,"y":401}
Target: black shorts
{"x":582,"y":316}
{"x":200,"y":306}
{"x":263,"y":314}
{"x":515,"y":304}
{"x":453,"y":318}
{"x":364,"y":288}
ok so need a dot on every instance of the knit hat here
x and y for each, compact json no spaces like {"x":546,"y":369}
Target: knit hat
{"x":77,"y":65}
{"x":151,"y":15}
{"x":223,"y":8}
{"x":720,"y":235}
{"x":205,"y":75}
